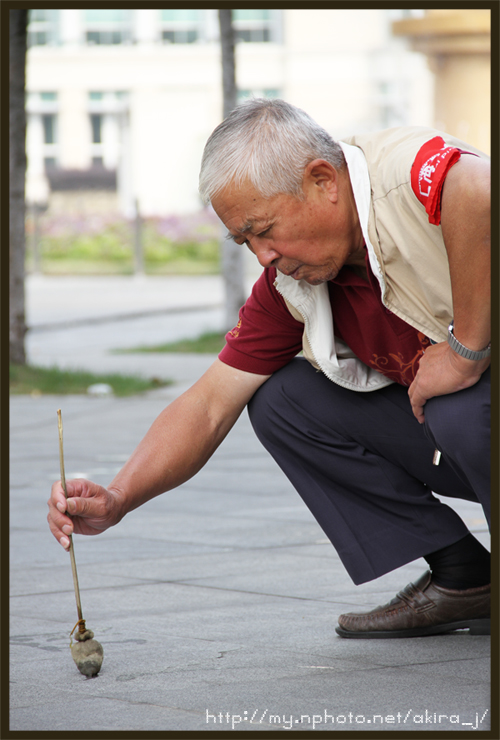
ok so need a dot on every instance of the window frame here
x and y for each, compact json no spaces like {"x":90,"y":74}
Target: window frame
{"x":270,"y":26}
{"x":120,"y":32}
{"x":182,"y":26}
{"x":48,"y":28}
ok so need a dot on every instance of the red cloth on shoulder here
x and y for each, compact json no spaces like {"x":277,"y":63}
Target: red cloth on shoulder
{"x":428,"y":173}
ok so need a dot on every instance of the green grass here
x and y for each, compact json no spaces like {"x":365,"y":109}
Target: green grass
{"x":26,"y":379}
{"x":210,"y":343}
{"x":103,"y":267}
{"x":104,"y":244}
{"x":81,"y":267}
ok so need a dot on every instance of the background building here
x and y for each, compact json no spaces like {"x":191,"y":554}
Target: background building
{"x":121,"y":102}
{"x":457,"y":46}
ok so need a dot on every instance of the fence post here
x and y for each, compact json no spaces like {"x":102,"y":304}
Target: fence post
{"x":138,"y":245}
{"x":33,"y":213}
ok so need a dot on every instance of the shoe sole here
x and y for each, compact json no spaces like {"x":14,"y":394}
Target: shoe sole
{"x":475,"y":627}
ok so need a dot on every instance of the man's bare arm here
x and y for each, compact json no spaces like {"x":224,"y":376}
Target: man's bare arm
{"x":465,"y":222}
{"x":467,"y":236}
{"x":178,"y":444}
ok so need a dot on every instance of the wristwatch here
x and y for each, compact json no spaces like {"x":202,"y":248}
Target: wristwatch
{"x":459,"y":348}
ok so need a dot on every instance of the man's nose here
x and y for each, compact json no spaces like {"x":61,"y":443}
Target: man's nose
{"x":265,"y":255}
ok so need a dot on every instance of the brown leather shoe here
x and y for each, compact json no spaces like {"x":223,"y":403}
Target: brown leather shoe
{"x":421,"y":609}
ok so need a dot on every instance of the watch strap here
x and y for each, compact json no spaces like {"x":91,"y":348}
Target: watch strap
{"x":460,"y":349}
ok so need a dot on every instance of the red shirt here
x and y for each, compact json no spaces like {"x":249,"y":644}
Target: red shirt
{"x":267,"y":336}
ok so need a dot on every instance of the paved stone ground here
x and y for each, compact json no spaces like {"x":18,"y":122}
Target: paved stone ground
{"x":216,"y":603}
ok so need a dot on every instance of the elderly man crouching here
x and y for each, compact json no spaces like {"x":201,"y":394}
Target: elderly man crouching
{"x":376,"y":257}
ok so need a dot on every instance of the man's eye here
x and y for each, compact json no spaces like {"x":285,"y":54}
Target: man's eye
{"x":263,"y":233}
{"x":236,"y":240}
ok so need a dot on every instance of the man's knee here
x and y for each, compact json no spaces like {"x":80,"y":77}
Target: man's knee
{"x":461,"y":421}
{"x":260,"y":405}
{"x":280,"y":391}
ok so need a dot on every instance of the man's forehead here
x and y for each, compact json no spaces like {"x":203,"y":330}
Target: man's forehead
{"x":242,"y":209}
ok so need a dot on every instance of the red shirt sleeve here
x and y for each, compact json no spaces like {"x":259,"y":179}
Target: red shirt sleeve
{"x":428,"y":174}
{"x":266,"y":336}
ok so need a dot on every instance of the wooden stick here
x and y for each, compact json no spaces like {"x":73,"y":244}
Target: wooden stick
{"x":71,"y":549}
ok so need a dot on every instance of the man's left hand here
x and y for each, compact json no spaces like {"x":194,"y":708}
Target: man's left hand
{"x":442,"y":371}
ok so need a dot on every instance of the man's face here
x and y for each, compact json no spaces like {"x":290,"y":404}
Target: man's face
{"x":308,"y":239}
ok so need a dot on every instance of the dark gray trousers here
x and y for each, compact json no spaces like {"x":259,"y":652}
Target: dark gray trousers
{"x":363,"y":464}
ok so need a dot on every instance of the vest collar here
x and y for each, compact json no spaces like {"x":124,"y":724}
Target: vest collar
{"x":361,"y":188}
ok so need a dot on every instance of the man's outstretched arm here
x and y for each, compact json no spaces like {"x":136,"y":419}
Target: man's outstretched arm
{"x":465,"y":222}
{"x":178,"y":444}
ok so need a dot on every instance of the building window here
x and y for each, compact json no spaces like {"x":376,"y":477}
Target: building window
{"x":181,"y":26}
{"x":42,"y":135}
{"x":42,"y":27}
{"x":107,"y":27}
{"x":253,"y":25}
{"x":50,"y":138}
{"x":265,"y":93}
{"x":96,"y":124}
{"x":106,"y":100}
{"x":49,"y":128}
{"x":106,"y":115}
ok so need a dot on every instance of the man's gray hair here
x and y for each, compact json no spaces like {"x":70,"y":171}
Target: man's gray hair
{"x":268,"y":143}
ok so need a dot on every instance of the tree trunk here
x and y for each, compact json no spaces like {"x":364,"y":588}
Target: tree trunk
{"x":233,"y":268}
{"x":17,"y":167}
{"x":228,"y":61}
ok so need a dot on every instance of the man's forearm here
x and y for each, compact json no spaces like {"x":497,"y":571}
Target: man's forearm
{"x":175,"y":448}
{"x":185,"y":435}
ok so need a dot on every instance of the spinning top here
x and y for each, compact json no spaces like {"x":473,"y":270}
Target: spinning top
{"x":87,"y":652}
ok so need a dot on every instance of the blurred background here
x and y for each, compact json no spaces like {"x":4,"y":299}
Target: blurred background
{"x":121,"y":102}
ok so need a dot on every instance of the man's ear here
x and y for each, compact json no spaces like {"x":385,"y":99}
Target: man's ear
{"x":321,"y":174}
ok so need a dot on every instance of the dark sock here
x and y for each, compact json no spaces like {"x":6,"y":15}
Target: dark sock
{"x":465,"y":564}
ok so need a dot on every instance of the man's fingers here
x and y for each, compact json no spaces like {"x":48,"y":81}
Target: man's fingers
{"x":418,"y":413}
{"x":60,"y":528}
{"x":89,"y":509}
{"x":417,"y":403}
{"x":57,"y":496}
{"x":72,"y":506}
{"x":80,"y":506}
{"x":60,"y":510}
{"x":417,"y":406}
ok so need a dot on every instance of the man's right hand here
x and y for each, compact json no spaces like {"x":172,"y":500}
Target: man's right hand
{"x":89,"y":509}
